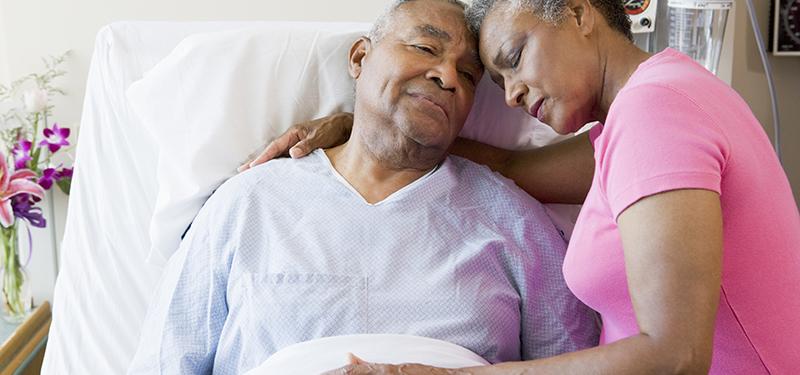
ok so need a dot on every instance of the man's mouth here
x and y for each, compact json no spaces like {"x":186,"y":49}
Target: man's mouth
{"x":431,"y":101}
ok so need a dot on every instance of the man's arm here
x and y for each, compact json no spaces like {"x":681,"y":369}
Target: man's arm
{"x":557,"y":173}
{"x":553,"y":321}
{"x":186,"y":316}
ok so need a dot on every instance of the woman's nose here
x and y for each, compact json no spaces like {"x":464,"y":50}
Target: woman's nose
{"x":515,"y":95}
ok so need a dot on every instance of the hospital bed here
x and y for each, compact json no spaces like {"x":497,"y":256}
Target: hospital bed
{"x":123,"y":217}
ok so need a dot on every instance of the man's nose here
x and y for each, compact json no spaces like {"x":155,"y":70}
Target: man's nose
{"x":445,"y":75}
{"x":515,"y":94}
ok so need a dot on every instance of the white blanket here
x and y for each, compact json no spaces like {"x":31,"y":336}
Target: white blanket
{"x":317,"y":356}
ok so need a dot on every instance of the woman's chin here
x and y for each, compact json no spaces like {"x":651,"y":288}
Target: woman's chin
{"x":567,"y":127}
{"x":561,"y":128}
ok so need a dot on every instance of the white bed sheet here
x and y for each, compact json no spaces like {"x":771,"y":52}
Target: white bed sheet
{"x":102,"y":291}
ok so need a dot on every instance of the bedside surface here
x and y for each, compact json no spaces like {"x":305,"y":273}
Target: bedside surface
{"x":23,"y":343}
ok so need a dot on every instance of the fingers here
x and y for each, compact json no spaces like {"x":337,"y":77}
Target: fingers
{"x":268,"y":154}
{"x":300,"y":140}
{"x":278,"y":147}
{"x":349,"y":370}
{"x":354,"y":360}
{"x":301,"y":149}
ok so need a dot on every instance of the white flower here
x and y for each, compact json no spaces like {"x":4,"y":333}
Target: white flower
{"x":35,"y":100}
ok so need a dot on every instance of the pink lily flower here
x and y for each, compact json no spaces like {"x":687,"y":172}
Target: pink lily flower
{"x":12,"y":185}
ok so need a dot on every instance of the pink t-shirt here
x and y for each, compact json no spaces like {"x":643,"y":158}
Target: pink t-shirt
{"x":676,"y":126}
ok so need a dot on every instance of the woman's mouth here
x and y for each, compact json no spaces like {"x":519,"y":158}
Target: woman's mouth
{"x":536,"y":109}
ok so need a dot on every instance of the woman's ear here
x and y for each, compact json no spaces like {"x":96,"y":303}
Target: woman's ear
{"x":358,"y":52}
{"x":584,"y":14}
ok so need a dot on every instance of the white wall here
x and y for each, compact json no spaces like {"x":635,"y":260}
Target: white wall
{"x":32,"y":29}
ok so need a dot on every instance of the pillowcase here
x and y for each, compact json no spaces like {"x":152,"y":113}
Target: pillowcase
{"x":219,"y":98}
{"x":329,"y":353}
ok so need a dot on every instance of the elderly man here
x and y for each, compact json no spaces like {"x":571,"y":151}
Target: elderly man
{"x":383,"y":234}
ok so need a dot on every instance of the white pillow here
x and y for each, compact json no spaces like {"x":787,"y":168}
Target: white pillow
{"x":325,"y":354}
{"x":218,"y":99}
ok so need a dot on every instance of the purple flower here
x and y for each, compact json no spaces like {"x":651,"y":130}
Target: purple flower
{"x":22,"y":153}
{"x":47,"y":178}
{"x":55,"y":138}
{"x":23,"y":209}
{"x":63,"y":173}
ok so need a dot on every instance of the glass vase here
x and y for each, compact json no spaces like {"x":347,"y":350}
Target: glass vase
{"x":16,"y":284}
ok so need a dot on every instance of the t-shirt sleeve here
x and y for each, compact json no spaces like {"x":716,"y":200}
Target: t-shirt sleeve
{"x":657,"y":139}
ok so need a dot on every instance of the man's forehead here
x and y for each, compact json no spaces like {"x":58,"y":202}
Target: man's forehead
{"x":420,"y":26}
{"x":420,"y":18}
{"x":416,"y":19}
{"x":433,"y":31}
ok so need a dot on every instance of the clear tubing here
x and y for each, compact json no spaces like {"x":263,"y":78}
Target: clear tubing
{"x":768,"y":70}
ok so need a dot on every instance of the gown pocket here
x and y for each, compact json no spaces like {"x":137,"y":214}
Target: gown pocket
{"x":287,"y":308}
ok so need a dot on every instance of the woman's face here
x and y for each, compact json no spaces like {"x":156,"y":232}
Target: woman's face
{"x":552,"y":72}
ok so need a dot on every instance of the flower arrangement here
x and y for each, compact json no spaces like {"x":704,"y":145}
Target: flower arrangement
{"x":27,"y":170}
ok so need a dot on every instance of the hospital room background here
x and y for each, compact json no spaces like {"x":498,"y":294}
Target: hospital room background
{"x":33,"y":29}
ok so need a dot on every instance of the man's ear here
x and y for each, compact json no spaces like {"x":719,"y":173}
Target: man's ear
{"x":584,"y":14}
{"x":358,"y":52}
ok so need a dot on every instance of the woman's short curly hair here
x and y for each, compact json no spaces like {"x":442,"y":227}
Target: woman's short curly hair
{"x":551,"y":11}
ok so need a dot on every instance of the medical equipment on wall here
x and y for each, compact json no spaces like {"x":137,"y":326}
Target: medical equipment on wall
{"x":785,"y":28}
{"x":694,"y":27}
{"x":643,"y":22}
{"x":697,"y":29}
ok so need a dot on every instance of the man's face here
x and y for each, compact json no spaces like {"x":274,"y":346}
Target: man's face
{"x":420,"y":78}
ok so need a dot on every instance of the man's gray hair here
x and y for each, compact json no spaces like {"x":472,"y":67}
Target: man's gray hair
{"x":379,"y":27}
{"x":551,"y":11}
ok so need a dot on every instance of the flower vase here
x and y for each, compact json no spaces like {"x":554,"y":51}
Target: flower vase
{"x":16,"y":284}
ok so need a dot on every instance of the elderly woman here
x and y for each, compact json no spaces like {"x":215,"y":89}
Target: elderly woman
{"x":688,"y":243}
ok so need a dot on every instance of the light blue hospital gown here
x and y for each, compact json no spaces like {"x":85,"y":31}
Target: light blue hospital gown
{"x":288,"y":252}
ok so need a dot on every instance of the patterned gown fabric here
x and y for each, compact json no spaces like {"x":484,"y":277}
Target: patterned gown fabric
{"x":289,"y":251}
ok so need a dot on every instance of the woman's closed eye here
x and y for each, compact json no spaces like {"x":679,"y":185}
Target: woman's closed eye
{"x":515,"y":58}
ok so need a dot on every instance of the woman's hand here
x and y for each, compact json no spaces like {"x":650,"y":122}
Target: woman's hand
{"x":379,"y":369}
{"x":303,"y":138}
{"x":359,"y":366}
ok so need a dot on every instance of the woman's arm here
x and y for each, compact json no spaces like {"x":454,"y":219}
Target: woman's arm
{"x":673,"y":253}
{"x":557,"y":173}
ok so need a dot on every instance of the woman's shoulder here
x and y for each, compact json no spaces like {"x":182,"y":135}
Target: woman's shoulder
{"x":675,"y":78}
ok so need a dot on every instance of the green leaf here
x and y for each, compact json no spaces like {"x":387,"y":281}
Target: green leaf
{"x":65,"y":184}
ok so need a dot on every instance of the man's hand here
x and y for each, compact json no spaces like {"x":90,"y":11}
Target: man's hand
{"x":358,"y":366}
{"x":303,"y":138}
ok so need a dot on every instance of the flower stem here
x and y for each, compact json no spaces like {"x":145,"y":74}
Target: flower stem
{"x":35,"y":150}
{"x":13,"y":278}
